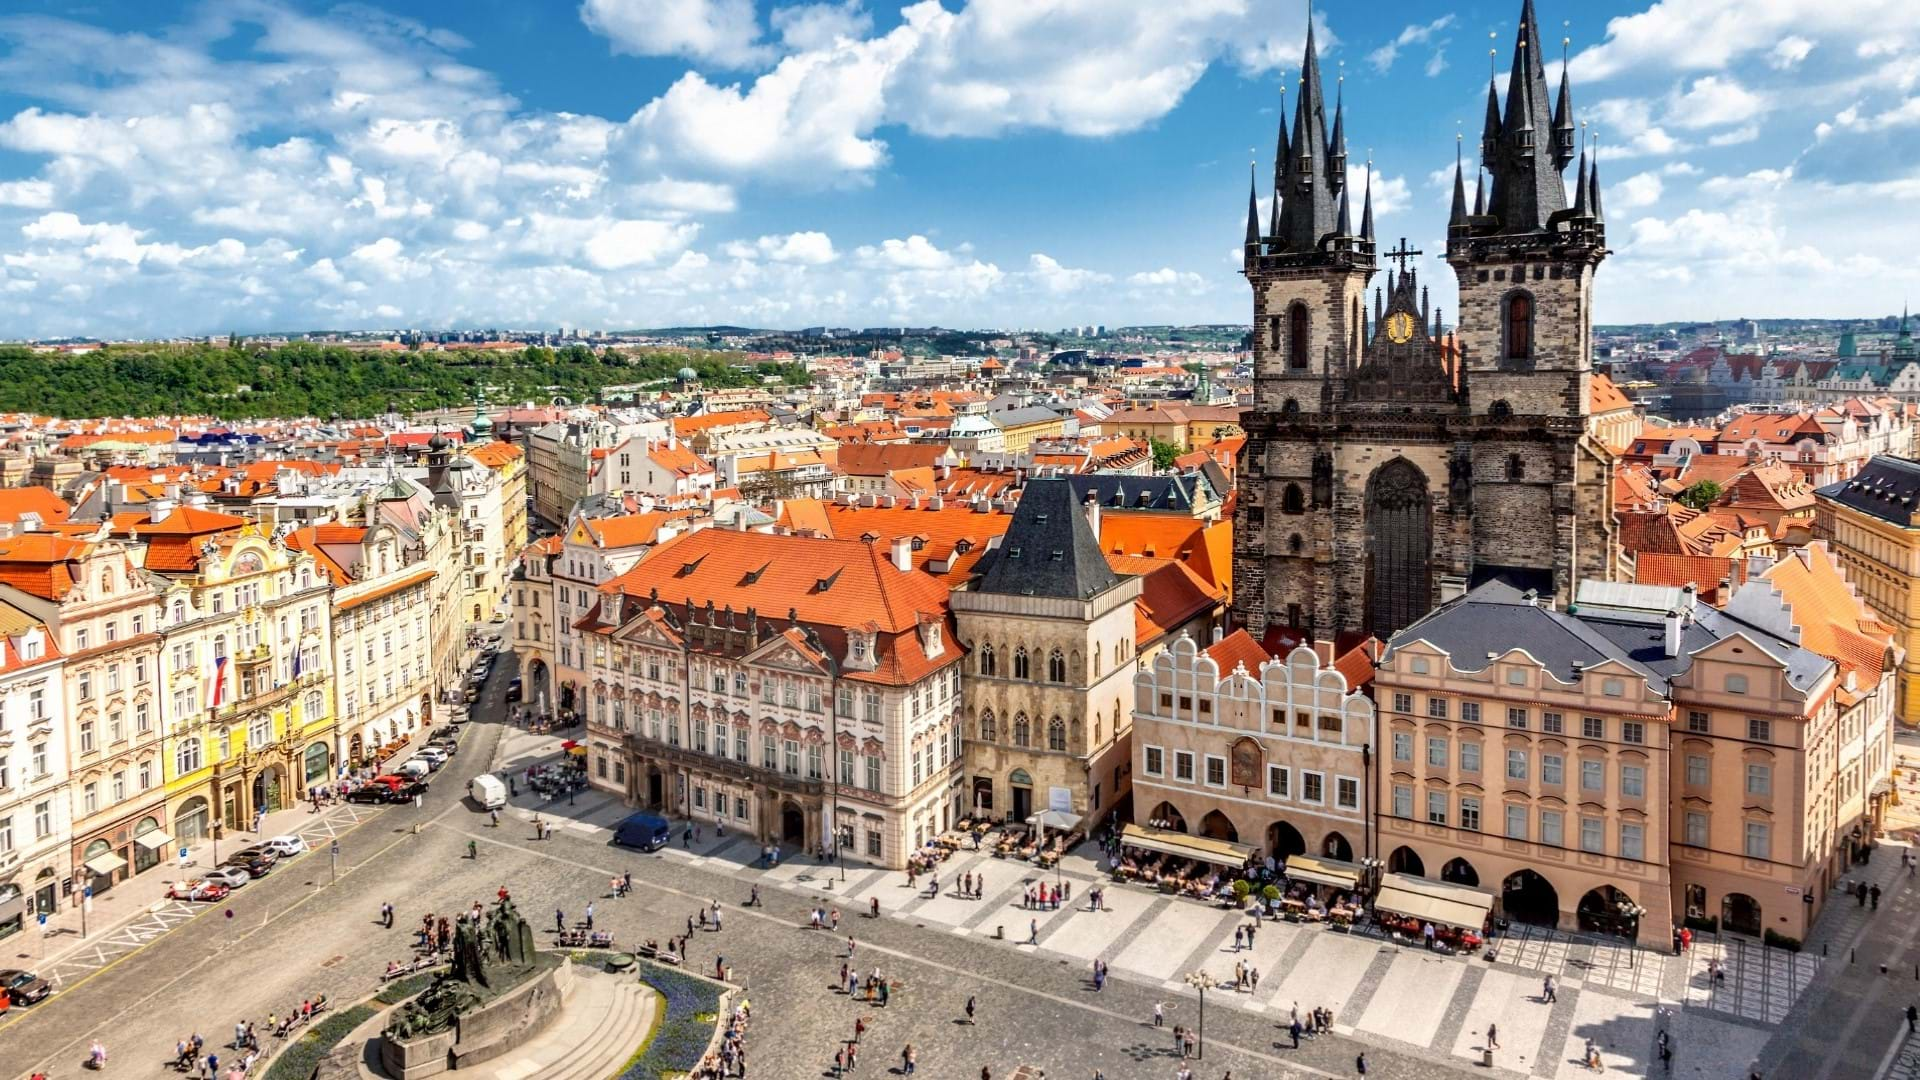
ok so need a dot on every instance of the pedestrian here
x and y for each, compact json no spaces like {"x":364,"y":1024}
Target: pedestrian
{"x":970,"y":1021}
{"x":907,"y":1060}
{"x":833,"y":920}
{"x":753,"y":897}
{"x":1033,"y":931}
{"x":386,"y":915}
{"x":1874,"y":894}
{"x":1360,"y":1063}
{"x":1546,"y":991}
{"x":839,"y":1061}
{"x":473,"y":850}
{"x":559,"y":920}
{"x":1493,"y":1037}
{"x":589,"y":914}
{"x":1860,"y":894}
{"x":502,"y":894}
{"x":873,"y":906}
{"x":850,"y":946}
{"x":494,"y":817}
{"x":1294,"y":1030}
{"x":859,"y":1027}
{"x":1913,"y":1017}
{"x":626,"y":885}
{"x":1160,"y":1014}
{"x":1180,"y":1041}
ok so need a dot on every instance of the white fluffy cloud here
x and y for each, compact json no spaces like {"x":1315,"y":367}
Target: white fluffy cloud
{"x":1635,"y":191}
{"x":1383,"y":57}
{"x":810,"y":248}
{"x":1707,"y":35}
{"x":723,"y":32}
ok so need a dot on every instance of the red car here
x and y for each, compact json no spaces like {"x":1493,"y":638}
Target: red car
{"x":197,"y":890}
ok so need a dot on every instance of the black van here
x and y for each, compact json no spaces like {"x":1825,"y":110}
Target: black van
{"x":645,"y":830}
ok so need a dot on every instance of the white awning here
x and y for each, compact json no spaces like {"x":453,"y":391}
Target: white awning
{"x":1434,"y":901}
{"x":1330,"y":872}
{"x":1200,"y":848}
{"x":105,"y":863}
{"x":1057,"y":820}
{"x":154,"y":840}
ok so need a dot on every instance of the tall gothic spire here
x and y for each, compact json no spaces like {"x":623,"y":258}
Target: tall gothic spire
{"x":1527,"y":189}
{"x":1309,"y":208}
{"x":1563,"y":117}
{"x":1337,"y":160}
{"x":1593,"y":186}
{"x":1281,"y":153}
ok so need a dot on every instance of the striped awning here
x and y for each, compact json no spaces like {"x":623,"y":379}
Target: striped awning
{"x":1432,"y":901}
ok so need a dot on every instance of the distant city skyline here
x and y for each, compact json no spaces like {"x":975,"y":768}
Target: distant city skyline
{"x":194,"y":168}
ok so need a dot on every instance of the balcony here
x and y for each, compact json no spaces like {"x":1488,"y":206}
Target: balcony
{"x":257,"y":654}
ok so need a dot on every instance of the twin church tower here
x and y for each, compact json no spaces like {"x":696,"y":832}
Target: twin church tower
{"x":1390,"y":464}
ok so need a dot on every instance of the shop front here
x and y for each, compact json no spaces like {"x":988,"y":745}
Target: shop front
{"x":13,"y":910}
{"x":1459,"y":914}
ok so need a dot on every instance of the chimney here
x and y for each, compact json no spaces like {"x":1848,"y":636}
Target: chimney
{"x":1687,"y":599}
{"x":1671,"y":640}
{"x":901,"y":552}
{"x":937,"y":503}
{"x":1093,"y":514}
{"x":160,"y":510}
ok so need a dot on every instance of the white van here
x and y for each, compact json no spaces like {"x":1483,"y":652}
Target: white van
{"x":415,"y":768}
{"x":488,"y":791}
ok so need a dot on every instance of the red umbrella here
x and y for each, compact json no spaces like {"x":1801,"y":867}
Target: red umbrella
{"x":568,"y":745}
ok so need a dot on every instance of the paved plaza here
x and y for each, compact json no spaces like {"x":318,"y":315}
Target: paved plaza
{"x":155,"y":978}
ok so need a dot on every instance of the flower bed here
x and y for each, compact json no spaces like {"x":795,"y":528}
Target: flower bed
{"x":298,"y":1059}
{"x":400,"y":990}
{"x":679,"y":1038}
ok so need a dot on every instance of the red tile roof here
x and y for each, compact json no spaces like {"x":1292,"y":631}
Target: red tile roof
{"x":1238,"y":649}
{"x":20,"y":501}
{"x":41,"y":564}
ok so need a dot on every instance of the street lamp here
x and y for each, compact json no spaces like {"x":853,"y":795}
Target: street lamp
{"x":1372,"y":867}
{"x":1202,"y":982}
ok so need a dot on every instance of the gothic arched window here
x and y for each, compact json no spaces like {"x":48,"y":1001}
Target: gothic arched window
{"x":1020,"y":663}
{"x":1519,"y":327}
{"x":1293,"y":544}
{"x":986,"y":659}
{"x":987,"y":732}
{"x":1293,"y":500}
{"x":1056,"y":734}
{"x":1516,"y":469}
{"x":1056,"y":667}
{"x":1021,"y":732}
{"x":1297,"y":336}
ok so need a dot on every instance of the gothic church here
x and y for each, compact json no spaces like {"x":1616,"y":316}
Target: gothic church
{"x":1389,"y":464}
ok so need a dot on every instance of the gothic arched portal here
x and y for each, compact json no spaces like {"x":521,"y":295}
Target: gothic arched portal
{"x":1399,"y":547}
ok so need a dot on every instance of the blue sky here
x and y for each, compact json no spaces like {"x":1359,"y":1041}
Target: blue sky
{"x":173,"y":167}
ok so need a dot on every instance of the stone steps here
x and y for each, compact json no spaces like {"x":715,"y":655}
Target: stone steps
{"x":627,"y":1017}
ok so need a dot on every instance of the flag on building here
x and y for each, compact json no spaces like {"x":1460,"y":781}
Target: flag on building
{"x":217,"y":693}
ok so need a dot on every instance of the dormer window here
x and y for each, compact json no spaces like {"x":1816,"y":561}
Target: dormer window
{"x":30,"y":647}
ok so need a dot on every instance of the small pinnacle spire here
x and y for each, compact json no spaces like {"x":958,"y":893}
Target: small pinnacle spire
{"x":1580,"y":187}
{"x":1281,"y":153}
{"x":1343,"y":227}
{"x":1459,"y":215}
{"x":1479,"y":194}
{"x":1253,"y":206}
{"x":1366,"y":209}
{"x":1337,"y":160}
{"x":1593,"y":181}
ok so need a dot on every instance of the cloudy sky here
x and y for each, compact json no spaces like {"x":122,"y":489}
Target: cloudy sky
{"x":195,"y":168}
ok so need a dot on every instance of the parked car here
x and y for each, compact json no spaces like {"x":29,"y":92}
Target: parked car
{"x":368,"y":793}
{"x":432,"y":752}
{"x":285,"y":846}
{"x":24,"y":987}
{"x":256,"y":852}
{"x":254,"y":861}
{"x":406,"y":793}
{"x":513,"y":689}
{"x":231,"y":875}
{"x":645,"y":830}
{"x":197,"y":890}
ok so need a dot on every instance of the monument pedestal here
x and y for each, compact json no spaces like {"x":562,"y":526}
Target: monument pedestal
{"x":497,"y":1027}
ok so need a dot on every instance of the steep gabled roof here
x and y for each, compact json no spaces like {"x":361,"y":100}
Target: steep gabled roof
{"x":1049,"y":549}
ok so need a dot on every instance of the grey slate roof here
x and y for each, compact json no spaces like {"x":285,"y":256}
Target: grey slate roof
{"x":1495,"y":618}
{"x":1049,"y":548}
{"x":1031,"y":414}
{"x":1119,"y":491}
{"x":1887,"y":488}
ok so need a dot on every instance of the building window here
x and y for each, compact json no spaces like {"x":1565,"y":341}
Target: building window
{"x":1402,"y":801}
{"x":1553,"y":723}
{"x":1022,"y":733}
{"x":1312,"y":787}
{"x":1699,"y":722}
{"x":1593,"y":775}
{"x":1297,"y":337}
{"x":1760,"y":730}
{"x":1593,"y":727}
{"x":1470,"y":757}
{"x":1516,"y":822}
{"x":1020,"y":663}
{"x":1346,"y":793}
{"x":1633,"y":782}
{"x":1550,"y":834}
{"x":1613,"y":687}
{"x":1402,"y":746}
{"x":1182,"y":765}
{"x":1593,"y":835}
{"x":1470,"y":813}
{"x":1517,"y":718}
{"x":1056,"y":667}
{"x":1056,"y":734}
{"x":1437,"y":708}
{"x":873,"y":772}
{"x":86,"y":737}
{"x":187,"y":756}
{"x":1552,"y":770}
{"x":1696,"y":770}
{"x":1402,"y":703}
{"x":1216,"y":771}
{"x":1516,"y":764}
{"x":1279,"y":781}
{"x":1469,"y":712}
{"x":1436,"y":808}
{"x":1696,"y":829}
{"x":1437,"y":751}
{"x":986,"y":660}
{"x":989,"y":731}
{"x":1759,"y":779}
{"x":1632,"y":841}
{"x":1519,"y":327}
{"x":1154,"y":761}
{"x":1759,"y":840}
{"x":1736,"y":684}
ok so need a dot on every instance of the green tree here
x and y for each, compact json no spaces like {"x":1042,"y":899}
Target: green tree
{"x":1164,"y":452}
{"x":1700,"y":495}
